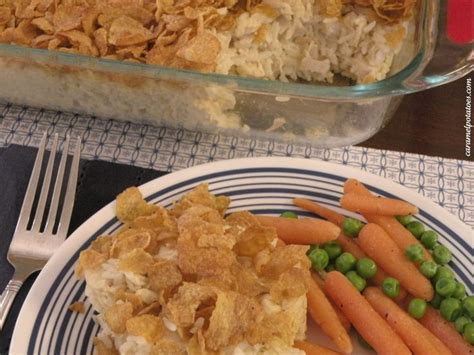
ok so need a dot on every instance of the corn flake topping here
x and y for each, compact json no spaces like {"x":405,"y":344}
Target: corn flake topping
{"x":198,"y":281}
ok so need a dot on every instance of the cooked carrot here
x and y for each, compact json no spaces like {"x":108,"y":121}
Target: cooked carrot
{"x":320,"y":210}
{"x":303,"y":230}
{"x":443,"y":349}
{"x":370,"y":325}
{"x":412,"y":332}
{"x":353,"y":185}
{"x":348,"y":244}
{"x":322,"y":312}
{"x":280,"y":243}
{"x":314,"y":349}
{"x":395,"y":229}
{"x":446,"y":332}
{"x":344,"y":321}
{"x":400,"y":235}
{"x":318,"y":279}
{"x":375,"y":242}
{"x":376,"y":205}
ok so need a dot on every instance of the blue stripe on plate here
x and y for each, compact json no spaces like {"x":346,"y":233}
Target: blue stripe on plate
{"x":74,"y":315}
{"x":87,"y":319}
{"x":67,"y":296}
{"x":87,"y":337}
{"x":46,"y":302}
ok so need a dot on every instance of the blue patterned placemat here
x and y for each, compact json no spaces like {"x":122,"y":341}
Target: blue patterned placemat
{"x":448,"y":182}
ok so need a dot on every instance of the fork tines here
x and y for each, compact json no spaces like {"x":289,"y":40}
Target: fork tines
{"x":41,"y":206}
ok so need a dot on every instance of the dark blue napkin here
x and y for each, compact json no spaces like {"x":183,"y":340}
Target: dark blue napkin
{"x":98,"y":184}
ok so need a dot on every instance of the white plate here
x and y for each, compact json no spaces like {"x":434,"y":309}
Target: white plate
{"x":262,"y":185}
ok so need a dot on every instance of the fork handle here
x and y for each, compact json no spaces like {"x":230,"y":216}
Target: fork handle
{"x":7,"y":297}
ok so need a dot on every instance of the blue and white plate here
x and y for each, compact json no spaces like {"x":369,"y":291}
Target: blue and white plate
{"x":261,"y":185}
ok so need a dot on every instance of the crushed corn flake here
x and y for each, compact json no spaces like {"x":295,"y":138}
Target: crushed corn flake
{"x":77,"y":307}
{"x":211,"y":296}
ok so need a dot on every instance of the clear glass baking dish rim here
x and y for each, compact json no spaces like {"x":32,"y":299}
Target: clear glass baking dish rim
{"x":408,"y":80}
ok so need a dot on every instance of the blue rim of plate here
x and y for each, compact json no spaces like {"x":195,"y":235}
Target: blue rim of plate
{"x":262,"y":185}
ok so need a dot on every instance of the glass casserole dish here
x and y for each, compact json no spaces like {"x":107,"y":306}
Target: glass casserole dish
{"x":318,"y":114}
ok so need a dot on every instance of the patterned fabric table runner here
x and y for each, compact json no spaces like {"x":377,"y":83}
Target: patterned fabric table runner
{"x":448,"y":182}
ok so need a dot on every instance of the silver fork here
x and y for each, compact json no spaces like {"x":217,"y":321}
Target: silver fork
{"x":31,"y":248}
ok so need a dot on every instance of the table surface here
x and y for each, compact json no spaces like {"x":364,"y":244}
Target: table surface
{"x":430,"y":122}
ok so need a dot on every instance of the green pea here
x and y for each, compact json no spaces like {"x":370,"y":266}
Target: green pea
{"x":333,"y":249}
{"x":417,"y":308}
{"x":311,"y":248}
{"x":460,"y":291}
{"x":468,"y":306}
{"x":429,"y":239}
{"x":391,"y":287}
{"x":441,"y":254}
{"x":469,"y":333}
{"x":366,"y":268}
{"x":445,"y":287}
{"x":442,"y":272}
{"x":460,"y":323}
{"x":345,"y":262}
{"x":330,"y":267}
{"x":428,"y":268}
{"x":414,"y":252}
{"x":450,"y":308}
{"x":289,"y":214}
{"x":319,"y":259}
{"x":351,"y":227}
{"x":358,"y":282}
{"x":416,"y":228}
{"x":404,"y":220}
{"x":436,"y":301}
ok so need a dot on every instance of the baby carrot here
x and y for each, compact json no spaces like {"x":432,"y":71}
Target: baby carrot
{"x":446,"y":332}
{"x":370,"y":325}
{"x":376,"y":205}
{"x":353,"y":185}
{"x":348,"y":244}
{"x":412,"y":332}
{"x":344,"y":321}
{"x":443,"y":349}
{"x":400,"y":235}
{"x":280,"y":243}
{"x":394,"y":229}
{"x":375,"y":242}
{"x":319,"y":281}
{"x":313,"y":349}
{"x":324,"y":315}
{"x":302,"y":231}
{"x":320,"y":210}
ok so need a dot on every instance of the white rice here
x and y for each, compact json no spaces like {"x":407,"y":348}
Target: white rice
{"x":302,"y":44}
{"x":125,"y":343}
{"x":245,"y":348}
{"x":103,"y":283}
